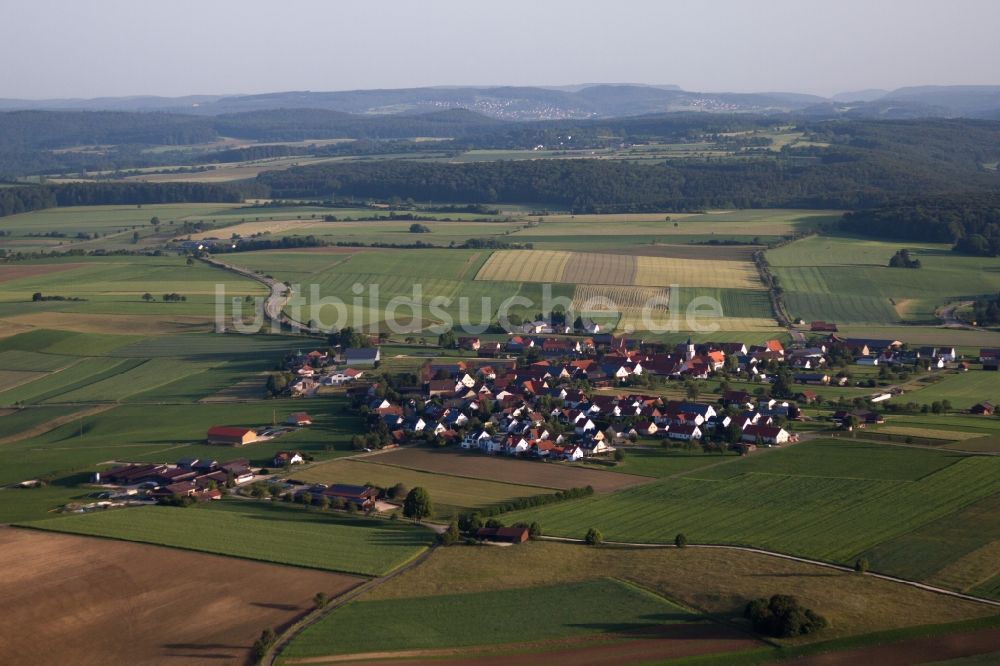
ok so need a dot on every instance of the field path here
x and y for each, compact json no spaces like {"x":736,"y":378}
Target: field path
{"x":312,"y":618}
{"x":52,"y":424}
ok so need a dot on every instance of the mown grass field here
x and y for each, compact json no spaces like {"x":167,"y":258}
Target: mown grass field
{"x":486,"y":618}
{"x":815,"y":499}
{"x":451,"y":495}
{"x":271,"y":533}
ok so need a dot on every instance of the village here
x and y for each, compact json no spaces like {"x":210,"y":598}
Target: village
{"x":551,"y":399}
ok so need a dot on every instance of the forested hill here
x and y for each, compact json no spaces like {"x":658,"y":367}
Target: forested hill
{"x":862,"y":164}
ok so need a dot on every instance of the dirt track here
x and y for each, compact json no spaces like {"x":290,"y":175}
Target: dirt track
{"x":82,"y":600}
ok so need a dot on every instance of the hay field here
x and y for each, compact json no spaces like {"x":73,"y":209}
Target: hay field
{"x":617,"y":269}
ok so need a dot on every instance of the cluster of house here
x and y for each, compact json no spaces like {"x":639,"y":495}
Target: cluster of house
{"x":189,"y":477}
{"x":511,"y":407}
{"x":316,"y":368}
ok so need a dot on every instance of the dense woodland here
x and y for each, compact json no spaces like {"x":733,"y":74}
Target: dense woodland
{"x":912,"y":179}
{"x":970,"y":221}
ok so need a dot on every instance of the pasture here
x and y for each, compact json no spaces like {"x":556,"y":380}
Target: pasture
{"x":507,"y":470}
{"x":94,"y":601}
{"x":715,"y":581}
{"x":267,"y":532}
{"x":557,"y":611}
{"x":451,"y":495}
{"x":817,"y":499}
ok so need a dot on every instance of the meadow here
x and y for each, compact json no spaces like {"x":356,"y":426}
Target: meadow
{"x":718,"y":582}
{"x":814,"y":499}
{"x":556,"y":611}
{"x":452,"y":495}
{"x":270,"y":533}
{"x":847,"y":280}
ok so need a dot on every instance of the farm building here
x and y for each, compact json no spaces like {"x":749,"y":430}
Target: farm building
{"x":985,"y":408}
{"x":822,"y":327}
{"x":765,"y":434}
{"x":299,"y":419}
{"x":282,"y":458}
{"x":503,"y":534}
{"x":231,"y":435}
{"x":364,"y":356}
{"x":361,"y":496}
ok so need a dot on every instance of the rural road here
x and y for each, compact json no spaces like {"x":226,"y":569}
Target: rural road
{"x":276,"y":300}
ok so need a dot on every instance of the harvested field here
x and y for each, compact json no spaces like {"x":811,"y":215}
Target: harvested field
{"x":525,"y":266}
{"x":597,"y":268}
{"x":658,"y":272}
{"x":936,"y":649}
{"x":12,"y":378}
{"x":617,"y":269}
{"x":22,"y":271}
{"x":508,"y":470}
{"x":246,"y":229}
{"x":93,"y":601}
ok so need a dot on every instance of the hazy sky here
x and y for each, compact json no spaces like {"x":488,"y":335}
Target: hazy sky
{"x":92,"y":48}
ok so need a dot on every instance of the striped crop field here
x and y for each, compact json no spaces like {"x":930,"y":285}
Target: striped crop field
{"x":661,"y":271}
{"x":525,"y":266}
{"x":617,"y":269}
{"x":787,"y":501}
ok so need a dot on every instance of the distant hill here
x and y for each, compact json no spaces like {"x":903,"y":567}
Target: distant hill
{"x":505,"y":102}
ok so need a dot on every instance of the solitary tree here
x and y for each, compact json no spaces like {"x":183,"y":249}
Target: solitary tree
{"x":450,"y":535}
{"x":148,"y":297}
{"x":417,"y":504}
{"x":861,"y":565}
{"x":320,"y":600}
{"x":680,"y":540}
{"x":619,"y":455}
{"x":594,"y":537}
{"x":534,"y":530}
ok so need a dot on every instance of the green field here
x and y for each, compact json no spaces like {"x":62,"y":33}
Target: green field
{"x":818,"y":499}
{"x":960,"y":551}
{"x":272,"y":533}
{"x":166,"y":433}
{"x":25,"y":419}
{"x":487,"y":618}
{"x":452,"y":495}
{"x":115,"y":286}
{"x":848,"y":281}
{"x":963,"y":390}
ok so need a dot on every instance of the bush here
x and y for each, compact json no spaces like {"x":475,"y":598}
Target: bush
{"x":782,"y":616}
{"x":534,"y":530}
{"x":594,"y":537}
{"x":861,"y":565}
{"x":680,"y":540}
{"x":619,"y":455}
{"x":449,"y":536}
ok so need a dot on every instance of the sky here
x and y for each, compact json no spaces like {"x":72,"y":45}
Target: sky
{"x":97,"y":48}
